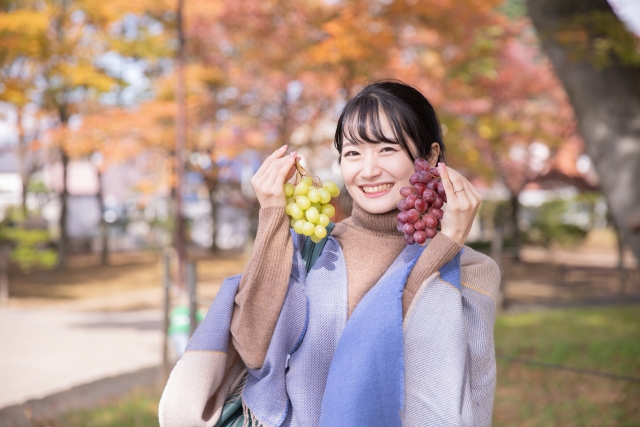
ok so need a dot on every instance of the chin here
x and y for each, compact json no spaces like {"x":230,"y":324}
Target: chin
{"x":377,"y":206}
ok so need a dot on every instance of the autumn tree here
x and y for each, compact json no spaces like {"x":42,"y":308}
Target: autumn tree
{"x":245,"y":83}
{"x":511,"y":115}
{"x":496,"y":94}
{"x":60,"y":57}
{"x":22,"y":45}
{"x":598,"y":61}
{"x":60,"y":45}
{"x":108,"y":136}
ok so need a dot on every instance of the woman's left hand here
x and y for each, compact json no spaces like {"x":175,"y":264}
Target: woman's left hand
{"x":463,"y":201}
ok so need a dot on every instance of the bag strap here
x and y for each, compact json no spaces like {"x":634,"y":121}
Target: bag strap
{"x":311,"y":251}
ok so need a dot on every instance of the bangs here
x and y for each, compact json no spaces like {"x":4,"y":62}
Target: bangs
{"x":360,"y":122}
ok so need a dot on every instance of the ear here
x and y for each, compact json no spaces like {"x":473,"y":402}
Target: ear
{"x":435,"y":154}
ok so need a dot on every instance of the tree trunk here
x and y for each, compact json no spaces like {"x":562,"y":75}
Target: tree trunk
{"x":63,"y":240}
{"x":104,"y":226}
{"x":214,"y":218}
{"x":252,"y":230}
{"x":514,"y":203}
{"x":22,"y":161}
{"x":25,"y":182}
{"x":4,"y":274}
{"x":181,"y":139}
{"x":284,"y":122}
{"x":606,"y":101}
{"x":497,"y":254}
{"x":24,"y":168}
{"x":622,"y":273}
{"x":620,"y":244}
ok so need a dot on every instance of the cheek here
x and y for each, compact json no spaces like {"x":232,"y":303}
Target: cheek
{"x":403,"y":170}
{"x":347,"y":172}
{"x":406,"y":173}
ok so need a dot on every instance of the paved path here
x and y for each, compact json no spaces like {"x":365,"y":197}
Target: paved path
{"x":48,"y":350}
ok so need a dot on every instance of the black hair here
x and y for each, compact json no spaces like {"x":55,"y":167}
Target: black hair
{"x":412,"y":118}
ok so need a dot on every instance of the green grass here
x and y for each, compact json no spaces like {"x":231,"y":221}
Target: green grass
{"x":140,"y":409}
{"x":605,"y":339}
{"x":591,"y":338}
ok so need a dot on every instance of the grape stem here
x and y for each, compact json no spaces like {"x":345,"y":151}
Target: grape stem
{"x":302,"y":172}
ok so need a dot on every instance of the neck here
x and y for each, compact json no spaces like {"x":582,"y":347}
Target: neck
{"x":384,"y":223}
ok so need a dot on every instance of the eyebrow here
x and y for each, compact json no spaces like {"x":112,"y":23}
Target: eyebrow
{"x":391,"y":141}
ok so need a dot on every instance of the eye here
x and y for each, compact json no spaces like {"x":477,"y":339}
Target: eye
{"x":388,"y":149}
{"x":350,"y":153}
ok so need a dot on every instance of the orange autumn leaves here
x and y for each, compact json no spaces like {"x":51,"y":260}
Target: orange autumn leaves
{"x":483,"y":72}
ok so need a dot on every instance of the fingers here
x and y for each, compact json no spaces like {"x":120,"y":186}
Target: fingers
{"x":453,"y":181}
{"x":262,"y":175}
{"x":471,"y":198}
{"x":269,"y":160}
{"x":276,"y":154}
{"x":278,"y":170}
{"x":265,"y":167}
{"x":469,"y":190}
{"x":446,"y":182}
{"x":292,"y":171}
{"x":476,"y":193}
{"x":287,"y":170}
{"x":473,"y":194}
{"x":465,"y":199}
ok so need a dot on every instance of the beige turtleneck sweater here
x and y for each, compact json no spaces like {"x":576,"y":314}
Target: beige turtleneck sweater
{"x":369,"y":242}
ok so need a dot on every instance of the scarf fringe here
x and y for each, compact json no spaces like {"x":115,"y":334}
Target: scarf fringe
{"x":239,"y":388}
{"x":250,"y":420}
{"x":237,"y":394}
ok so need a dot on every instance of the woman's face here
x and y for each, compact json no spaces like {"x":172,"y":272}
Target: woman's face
{"x":374,"y":173}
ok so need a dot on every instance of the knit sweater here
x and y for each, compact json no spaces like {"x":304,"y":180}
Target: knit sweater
{"x":369,"y":242}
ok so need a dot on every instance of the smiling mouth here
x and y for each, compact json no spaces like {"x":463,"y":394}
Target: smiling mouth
{"x":376,"y":188}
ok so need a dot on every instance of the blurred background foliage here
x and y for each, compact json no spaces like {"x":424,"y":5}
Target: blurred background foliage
{"x":89,"y":90}
{"x":566,"y":221}
{"x":27,"y":247}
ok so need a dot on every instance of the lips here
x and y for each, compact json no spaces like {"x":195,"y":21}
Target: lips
{"x":372,"y":189}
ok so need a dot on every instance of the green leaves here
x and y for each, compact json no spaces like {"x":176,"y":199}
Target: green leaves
{"x":30,"y":247}
{"x":600,"y":38}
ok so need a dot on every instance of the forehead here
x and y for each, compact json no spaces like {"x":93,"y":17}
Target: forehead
{"x":368,"y":127}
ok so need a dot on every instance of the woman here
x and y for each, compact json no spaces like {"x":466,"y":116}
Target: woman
{"x":378,"y":332}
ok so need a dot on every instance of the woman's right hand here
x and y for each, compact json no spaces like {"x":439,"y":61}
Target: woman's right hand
{"x":269,"y":180}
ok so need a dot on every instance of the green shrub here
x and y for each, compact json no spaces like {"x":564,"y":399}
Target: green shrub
{"x":565,"y":221}
{"x":30,"y":247}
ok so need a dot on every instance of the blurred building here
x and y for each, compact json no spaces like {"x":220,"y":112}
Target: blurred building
{"x":135,"y":220}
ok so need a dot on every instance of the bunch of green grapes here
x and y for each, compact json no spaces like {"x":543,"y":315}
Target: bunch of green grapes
{"x":308,"y":205}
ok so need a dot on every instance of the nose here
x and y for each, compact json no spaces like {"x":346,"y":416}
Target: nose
{"x":370,"y":167}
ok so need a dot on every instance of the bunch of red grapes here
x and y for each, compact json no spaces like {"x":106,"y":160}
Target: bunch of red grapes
{"x":421,"y":210}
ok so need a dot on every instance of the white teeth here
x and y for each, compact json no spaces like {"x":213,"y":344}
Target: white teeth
{"x":377,"y":188}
